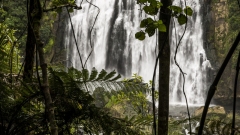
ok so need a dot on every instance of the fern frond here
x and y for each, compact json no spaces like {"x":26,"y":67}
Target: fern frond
{"x":109,"y":75}
{"x":74,"y":73}
{"x":116,"y":78}
{"x":102,"y":74}
{"x":93,"y":75}
{"x":85,"y":75}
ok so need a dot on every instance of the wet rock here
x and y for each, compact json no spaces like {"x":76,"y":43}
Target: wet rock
{"x":213,"y":109}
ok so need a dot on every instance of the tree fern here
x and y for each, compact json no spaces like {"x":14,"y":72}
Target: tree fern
{"x":109,"y":75}
{"x":101,"y":76}
{"x":116,"y":78}
{"x":85,"y":75}
{"x":94,"y":74}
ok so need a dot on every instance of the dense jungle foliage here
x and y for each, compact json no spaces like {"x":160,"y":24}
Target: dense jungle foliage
{"x":86,"y":101}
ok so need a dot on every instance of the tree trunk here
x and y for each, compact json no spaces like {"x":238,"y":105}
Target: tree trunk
{"x":45,"y":88}
{"x":164,"y":70}
{"x":36,"y":16}
{"x":213,"y":87}
{"x":30,"y":48}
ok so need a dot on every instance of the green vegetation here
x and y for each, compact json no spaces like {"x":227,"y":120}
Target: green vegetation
{"x":8,"y":50}
{"x":23,"y":109}
{"x":234,"y":27}
{"x":152,"y":7}
{"x":93,"y":101}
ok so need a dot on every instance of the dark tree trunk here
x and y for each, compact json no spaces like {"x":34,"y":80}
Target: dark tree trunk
{"x":164,"y":70}
{"x":213,"y":87}
{"x":35,"y":15}
{"x":30,"y":48}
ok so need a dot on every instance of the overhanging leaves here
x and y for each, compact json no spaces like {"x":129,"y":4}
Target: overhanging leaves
{"x":182,"y":19}
{"x":188,"y":11}
{"x":140,"y":35}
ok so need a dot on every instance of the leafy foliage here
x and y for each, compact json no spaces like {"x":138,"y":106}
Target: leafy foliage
{"x":13,"y":14}
{"x":232,"y":31}
{"x":152,"y":7}
{"x":216,"y":124}
{"x":23,"y":110}
{"x":132,"y":105}
{"x":8,"y":51}
{"x":80,"y":108}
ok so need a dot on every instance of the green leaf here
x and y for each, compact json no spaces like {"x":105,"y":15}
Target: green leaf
{"x":117,"y":77}
{"x":109,"y":75}
{"x":188,"y":11}
{"x":102,"y":74}
{"x":159,"y":4}
{"x":140,"y":35}
{"x":162,"y":28}
{"x":176,"y":9}
{"x":182,"y":19}
{"x":151,"y":10}
{"x":145,"y":22}
{"x":150,"y":20}
{"x":157,"y":23}
{"x":85,"y":74}
{"x":150,"y":30}
{"x":93,"y":74}
{"x":153,"y":3}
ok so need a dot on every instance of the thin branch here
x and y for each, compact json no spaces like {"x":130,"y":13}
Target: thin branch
{"x":75,"y":39}
{"x":20,"y":69}
{"x":235,"y":94}
{"x":180,"y":69}
{"x":91,"y":32}
{"x":76,"y":45}
{"x":238,"y":3}
{"x":62,"y":6}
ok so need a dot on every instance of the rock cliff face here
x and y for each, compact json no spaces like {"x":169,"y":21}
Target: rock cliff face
{"x":219,"y":39}
{"x":59,"y":50}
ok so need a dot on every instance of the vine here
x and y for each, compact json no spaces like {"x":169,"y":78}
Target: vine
{"x":151,"y":7}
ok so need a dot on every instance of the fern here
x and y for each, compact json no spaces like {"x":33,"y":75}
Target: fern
{"x":102,"y":74}
{"x":85,"y":75}
{"x":93,"y":74}
{"x":109,"y":75}
{"x":116,"y":78}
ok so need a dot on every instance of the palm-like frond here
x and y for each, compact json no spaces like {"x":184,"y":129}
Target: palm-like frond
{"x":75,"y":105}
{"x":94,"y":80}
{"x":23,"y":109}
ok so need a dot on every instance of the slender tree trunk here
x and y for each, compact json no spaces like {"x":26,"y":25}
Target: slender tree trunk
{"x":213,"y":87}
{"x":45,"y":88}
{"x":30,"y":48}
{"x":164,"y":71}
{"x":36,"y":16}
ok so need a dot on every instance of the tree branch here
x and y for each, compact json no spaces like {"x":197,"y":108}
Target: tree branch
{"x":61,"y":6}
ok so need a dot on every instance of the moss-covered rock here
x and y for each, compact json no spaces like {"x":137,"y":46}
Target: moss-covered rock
{"x":211,"y":110}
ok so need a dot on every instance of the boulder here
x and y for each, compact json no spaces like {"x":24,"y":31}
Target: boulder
{"x":212,"y":109}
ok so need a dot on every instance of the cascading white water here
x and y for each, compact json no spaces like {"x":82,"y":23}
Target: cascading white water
{"x":115,"y":47}
{"x":113,"y":38}
{"x":191,"y":58}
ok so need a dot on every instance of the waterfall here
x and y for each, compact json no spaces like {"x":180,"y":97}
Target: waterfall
{"x":113,"y":39}
{"x":191,"y":58}
{"x":115,"y":47}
